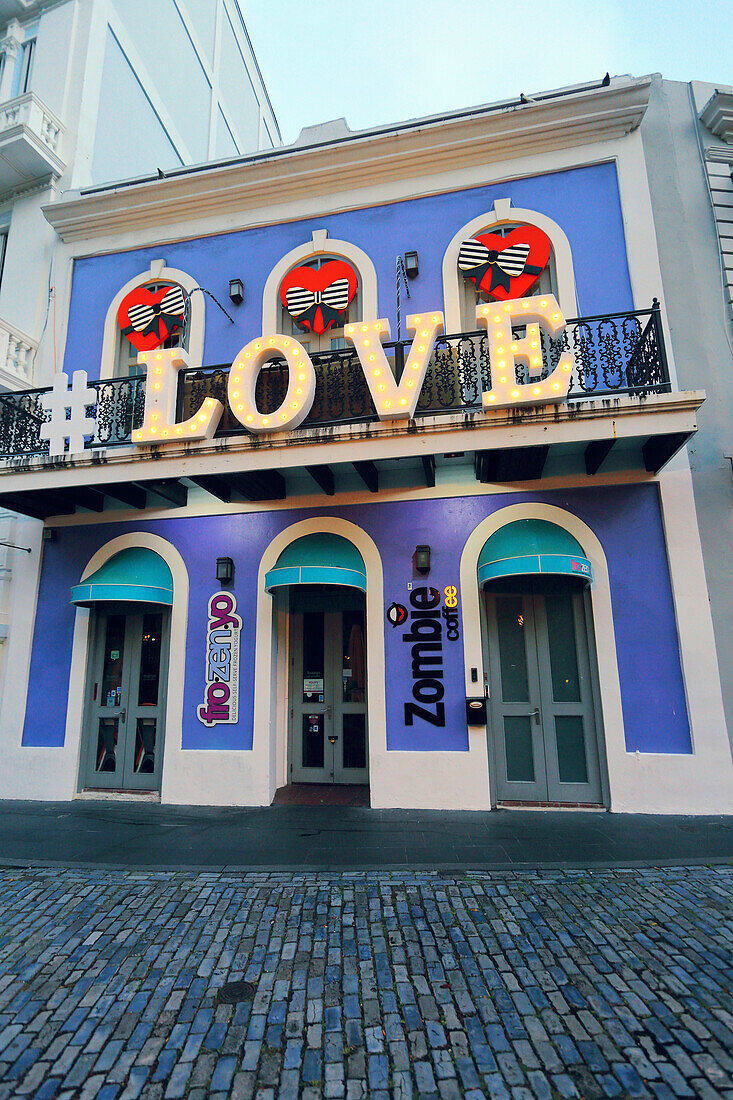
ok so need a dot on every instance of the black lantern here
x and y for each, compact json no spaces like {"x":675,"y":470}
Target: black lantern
{"x":224,"y":570}
{"x":236,"y":291}
{"x":411,"y":268}
{"x":421,"y":560}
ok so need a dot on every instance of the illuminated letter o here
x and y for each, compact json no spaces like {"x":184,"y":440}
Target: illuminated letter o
{"x":243,"y":380}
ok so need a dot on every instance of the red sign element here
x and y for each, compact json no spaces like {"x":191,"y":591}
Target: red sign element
{"x":147,"y":318}
{"x":316,"y":299}
{"x":505,"y":267}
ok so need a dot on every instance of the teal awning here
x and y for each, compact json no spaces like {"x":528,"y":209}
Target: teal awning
{"x":532,"y":546}
{"x":134,"y":575}
{"x":318,"y":559}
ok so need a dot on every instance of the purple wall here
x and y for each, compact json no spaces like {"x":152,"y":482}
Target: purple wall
{"x":625,"y":519}
{"x":583,"y":201}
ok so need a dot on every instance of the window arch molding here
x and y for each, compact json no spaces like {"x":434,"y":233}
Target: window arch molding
{"x":506,"y":214}
{"x":320,"y":245}
{"x":157,"y":272}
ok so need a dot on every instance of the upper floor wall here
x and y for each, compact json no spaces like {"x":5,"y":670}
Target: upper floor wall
{"x":580,"y":208}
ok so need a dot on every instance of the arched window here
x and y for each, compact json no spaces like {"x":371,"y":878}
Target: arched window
{"x":334,"y":283}
{"x":119,"y":355}
{"x":315,"y":254}
{"x":474,"y":291}
{"x":462,"y":294}
{"x":127,"y":353}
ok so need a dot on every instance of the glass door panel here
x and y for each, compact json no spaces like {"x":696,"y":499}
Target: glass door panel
{"x":571,"y":742}
{"x":125,"y":701}
{"x":328,"y":724}
{"x":311,"y":716}
{"x":518,"y":751}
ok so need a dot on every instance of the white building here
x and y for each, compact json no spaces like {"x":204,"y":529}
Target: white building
{"x":688,"y":147}
{"x":93,"y":91}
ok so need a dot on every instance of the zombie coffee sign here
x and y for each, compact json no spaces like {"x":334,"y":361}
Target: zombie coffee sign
{"x":221,"y":691}
{"x":429,"y":622}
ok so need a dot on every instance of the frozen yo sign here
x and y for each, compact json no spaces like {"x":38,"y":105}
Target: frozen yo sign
{"x":221,"y":693}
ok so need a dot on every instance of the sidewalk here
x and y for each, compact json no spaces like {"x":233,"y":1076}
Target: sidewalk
{"x":134,"y":835}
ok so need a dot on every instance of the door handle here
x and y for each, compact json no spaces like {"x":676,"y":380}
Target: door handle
{"x":536,"y":713}
{"x":329,"y":711}
{"x":123,"y":716}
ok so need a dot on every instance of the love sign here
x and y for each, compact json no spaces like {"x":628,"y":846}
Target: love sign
{"x":393,"y":399}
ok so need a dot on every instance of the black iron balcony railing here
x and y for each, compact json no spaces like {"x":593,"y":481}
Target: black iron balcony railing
{"x":616,"y":354}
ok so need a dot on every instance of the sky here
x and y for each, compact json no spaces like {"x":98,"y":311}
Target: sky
{"x":381,"y":61}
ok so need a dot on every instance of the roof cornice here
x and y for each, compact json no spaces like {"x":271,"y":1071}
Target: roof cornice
{"x":425,"y":148}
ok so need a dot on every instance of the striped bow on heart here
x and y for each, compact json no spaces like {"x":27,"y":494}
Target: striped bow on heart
{"x":147,"y":318}
{"x":316,"y":298}
{"x":335,"y":296}
{"x":500,"y":266}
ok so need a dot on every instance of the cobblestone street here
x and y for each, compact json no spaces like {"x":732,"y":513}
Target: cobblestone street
{"x":382,"y":984}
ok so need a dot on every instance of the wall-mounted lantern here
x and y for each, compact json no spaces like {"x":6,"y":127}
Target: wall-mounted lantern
{"x":411,"y":265}
{"x":421,"y":560}
{"x":236,"y":291}
{"x":224,"y":570}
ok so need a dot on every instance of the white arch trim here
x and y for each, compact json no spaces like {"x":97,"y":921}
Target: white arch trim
{"x":610,"y":720}
{"x":177,"y":651}
{"x":158,"y":272}
{"x":270,"y":700}
{"x":320,"y":245}
{"x":502,"y":214}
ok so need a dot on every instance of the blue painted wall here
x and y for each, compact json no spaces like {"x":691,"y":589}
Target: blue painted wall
{"x":625,"y":519}
{"x":583,"y":201}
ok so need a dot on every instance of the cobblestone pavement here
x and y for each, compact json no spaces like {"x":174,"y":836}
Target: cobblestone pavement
{"x":382,"y":984}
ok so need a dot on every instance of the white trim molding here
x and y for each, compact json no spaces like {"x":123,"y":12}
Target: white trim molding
{"x":269,"y":749}
{"x":320,"y":244}
{"x":506,"y":214}
{"x":157,"y":272}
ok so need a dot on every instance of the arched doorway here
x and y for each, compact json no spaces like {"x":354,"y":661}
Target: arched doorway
{"x":539,"y":659}
{"x":320,"y":580}
{"x":130,"y":597}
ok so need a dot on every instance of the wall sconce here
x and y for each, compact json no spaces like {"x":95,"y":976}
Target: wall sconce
{"x":411,"y":267}
{"x":224,"y":570}
{"x":421,"y":560}
{"x":236,"y":291}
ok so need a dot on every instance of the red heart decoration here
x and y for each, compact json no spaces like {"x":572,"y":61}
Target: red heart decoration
{"x":141,"y":296}
{"x":318,"y":280}
{"x":538,"y":257}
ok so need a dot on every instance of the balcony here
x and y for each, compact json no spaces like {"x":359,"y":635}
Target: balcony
{"x":31,"y":140}
{"x":619,"y":400}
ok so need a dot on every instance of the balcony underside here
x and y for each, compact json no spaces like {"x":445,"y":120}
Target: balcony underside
{"x":583,"y":439}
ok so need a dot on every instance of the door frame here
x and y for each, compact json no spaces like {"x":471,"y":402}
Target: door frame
{"x":87,"y":752}
{"x":176,"y":784}
{"x":333,"y":712}
{"x":612,"y":752}
{"x":596,"y":738}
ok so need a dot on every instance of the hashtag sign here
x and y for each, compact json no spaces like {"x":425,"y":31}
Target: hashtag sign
{"x":77,"y":425}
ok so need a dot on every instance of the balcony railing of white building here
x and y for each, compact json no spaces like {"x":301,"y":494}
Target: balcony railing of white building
{"x":613,"y":355}
{"x":31,"y":142}
{"x":16,"y":357}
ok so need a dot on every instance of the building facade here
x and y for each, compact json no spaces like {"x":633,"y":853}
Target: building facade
{"x":93,"y":91}
{"x":315,"y":530}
